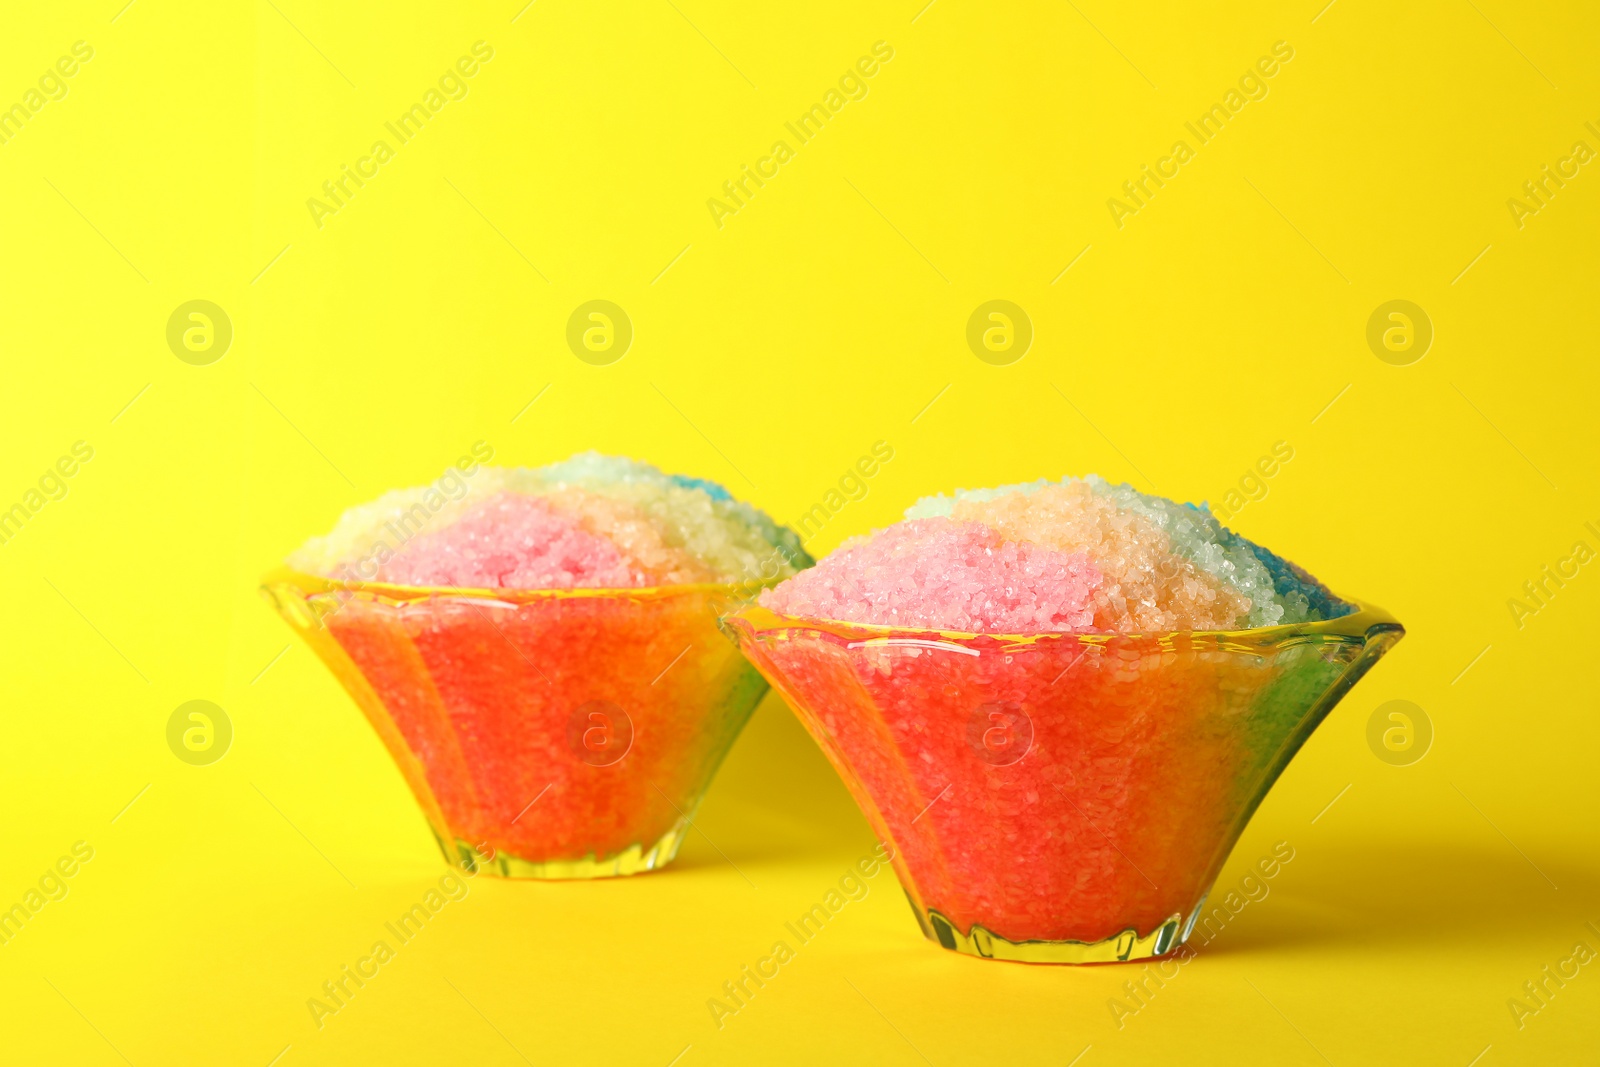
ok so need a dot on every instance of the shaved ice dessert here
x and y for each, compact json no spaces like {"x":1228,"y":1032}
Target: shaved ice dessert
{"x":1060,"y":702}
{"x":1074,"y":556}
{"x":591,"y":521}
{"x":539,"y":651}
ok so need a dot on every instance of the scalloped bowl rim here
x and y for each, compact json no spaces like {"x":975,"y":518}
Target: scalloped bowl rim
{"x":1362,"y":624}
{"x":405,"y":594}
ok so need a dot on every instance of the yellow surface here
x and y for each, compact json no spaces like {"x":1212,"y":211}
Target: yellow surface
{"x":830,"y":312}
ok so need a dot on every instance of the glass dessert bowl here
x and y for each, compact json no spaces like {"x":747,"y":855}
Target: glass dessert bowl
{"x":1061,"y":797}
{"x":546,"y":733}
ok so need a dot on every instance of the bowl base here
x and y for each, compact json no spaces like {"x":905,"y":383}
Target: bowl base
{"x":631,"y":860}
{"x":1119,"y":948}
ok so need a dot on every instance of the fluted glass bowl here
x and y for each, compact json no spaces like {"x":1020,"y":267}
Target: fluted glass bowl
{"x":545,"y":733}
{"x":1060,"y":798}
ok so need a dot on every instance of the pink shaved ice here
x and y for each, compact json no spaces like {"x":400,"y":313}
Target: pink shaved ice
{"x":640,"y":540}
{"x":1147,"y":589}
{"x":510,"y":541}
{"x":940,"y":574}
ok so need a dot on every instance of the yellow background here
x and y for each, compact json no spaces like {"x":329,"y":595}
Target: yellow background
{"x":1227,"y":315}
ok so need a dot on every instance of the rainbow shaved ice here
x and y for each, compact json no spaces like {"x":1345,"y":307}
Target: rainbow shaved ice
{"x":591,"y":521}
{"x":539,"y":650}
{"x":939,"y":574}
{"x":1039,"y":694}
{"x":999,"y":561}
